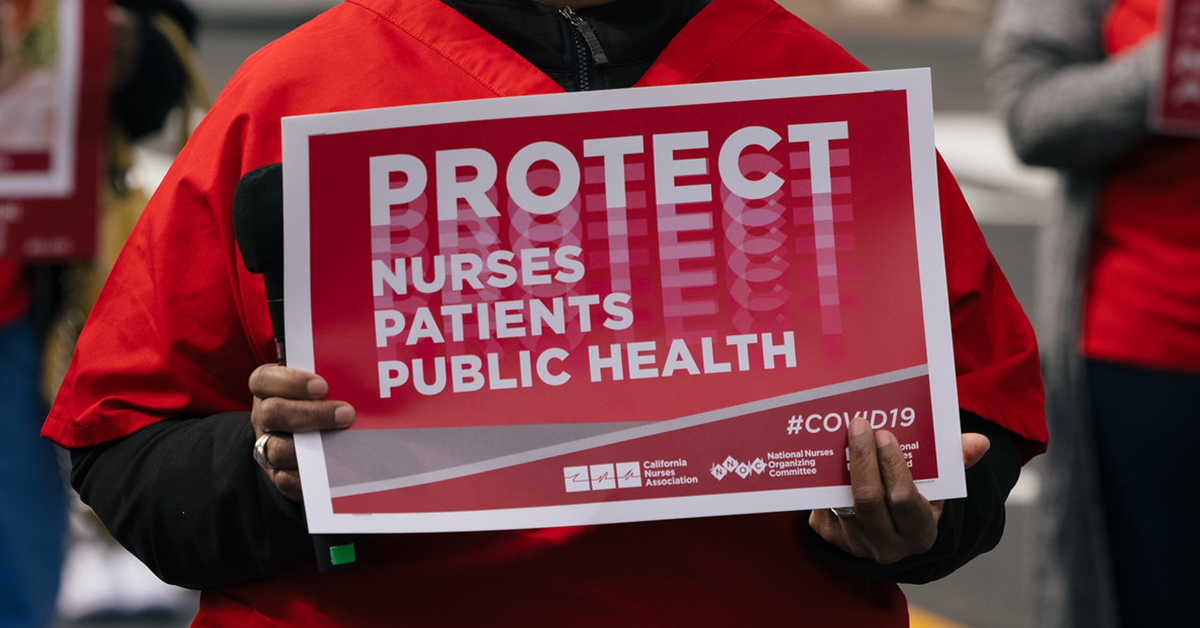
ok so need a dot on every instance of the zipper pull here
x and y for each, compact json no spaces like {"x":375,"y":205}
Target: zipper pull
{"x":599,"y":57}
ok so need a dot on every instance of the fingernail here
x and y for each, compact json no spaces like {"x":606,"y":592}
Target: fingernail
{"x":883,"y":438}
{"x":317,"y":388}
{"x":343,"y":416}
{"x":858,"y":426}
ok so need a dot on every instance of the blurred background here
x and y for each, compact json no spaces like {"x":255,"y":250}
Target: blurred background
{"x":102,"y":586}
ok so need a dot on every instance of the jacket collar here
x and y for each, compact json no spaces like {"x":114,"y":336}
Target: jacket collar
{"x":504,"y":72}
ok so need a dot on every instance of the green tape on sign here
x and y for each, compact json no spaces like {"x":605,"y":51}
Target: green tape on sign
{"x":341,"y":554}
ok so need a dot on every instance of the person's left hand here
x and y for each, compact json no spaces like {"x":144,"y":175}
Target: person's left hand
{"x":891,"y":519}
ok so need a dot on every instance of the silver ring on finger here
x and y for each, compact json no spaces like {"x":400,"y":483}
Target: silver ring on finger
{"x":260,"y":452}
{"x":847,"y":511}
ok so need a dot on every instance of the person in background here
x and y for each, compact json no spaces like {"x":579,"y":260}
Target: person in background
{"x":32,"y":496}
{"x":175,"y":378}
{"x":1120,"y":307}
{"x":147,"y":82}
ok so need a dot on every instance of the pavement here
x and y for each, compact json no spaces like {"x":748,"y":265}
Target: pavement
{"x":1007,"y":198}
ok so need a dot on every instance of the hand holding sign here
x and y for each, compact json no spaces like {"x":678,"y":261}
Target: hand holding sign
{"x":891,"y":520}
{"x":287,"y":401}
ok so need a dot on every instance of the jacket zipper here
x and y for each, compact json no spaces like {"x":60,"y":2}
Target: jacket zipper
{"x":589,"y":53}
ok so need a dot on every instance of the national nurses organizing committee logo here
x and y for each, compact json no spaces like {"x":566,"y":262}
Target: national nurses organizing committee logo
{"x":601,"y":477}
{"x":741,"y":469}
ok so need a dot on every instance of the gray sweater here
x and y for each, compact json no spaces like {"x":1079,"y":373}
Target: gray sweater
{"x":1069,"y":107}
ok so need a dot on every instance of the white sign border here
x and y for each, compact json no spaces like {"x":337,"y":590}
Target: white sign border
{"x":916,"y":83}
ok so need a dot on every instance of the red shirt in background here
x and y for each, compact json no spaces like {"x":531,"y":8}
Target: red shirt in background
{"x":1143,"y":298}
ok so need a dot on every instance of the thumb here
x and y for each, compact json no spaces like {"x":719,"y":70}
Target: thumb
{"x":973,"y":447}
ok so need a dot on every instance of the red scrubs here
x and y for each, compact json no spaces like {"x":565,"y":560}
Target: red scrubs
{"x":181,"y":324}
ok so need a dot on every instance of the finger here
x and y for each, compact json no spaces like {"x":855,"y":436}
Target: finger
{"x":974,"y":447}
{"x":281,"y":465}
{"x":277,"y":414}
{"x":911,"y":516}
{"x":842,"y":532}
{"x":281,"y":451}
{"x":821,"y":521}
{"x":905,"y":502}
{"x":288,"y":483}
{"x":276,"y":380}
{"x":825,"y":523}
{"x":866,"y":485}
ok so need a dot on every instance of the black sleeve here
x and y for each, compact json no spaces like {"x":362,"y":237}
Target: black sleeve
{"x":186,"y":497}
{"x":969,"y":526}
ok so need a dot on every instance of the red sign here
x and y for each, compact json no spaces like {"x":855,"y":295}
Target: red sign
{"x":629,"y":305}
{"x":1177,"y":103}
{"x":53,"y":93}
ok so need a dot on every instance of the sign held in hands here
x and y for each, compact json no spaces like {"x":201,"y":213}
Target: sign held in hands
{"x":618,"y":306}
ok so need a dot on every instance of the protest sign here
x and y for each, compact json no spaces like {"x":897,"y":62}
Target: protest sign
{"x":617,"y":306}
{"x":1176,"y":108}
{"x":53,"y":90}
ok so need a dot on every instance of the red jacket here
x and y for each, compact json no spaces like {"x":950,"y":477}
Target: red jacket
{"x":181,"y":324}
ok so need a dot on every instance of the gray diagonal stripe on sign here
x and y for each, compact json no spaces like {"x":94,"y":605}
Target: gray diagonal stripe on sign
{"x":530,"y":451}
{"x":366,"y":456}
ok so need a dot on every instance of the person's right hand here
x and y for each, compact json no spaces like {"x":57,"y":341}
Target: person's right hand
{"x":288,"y":401}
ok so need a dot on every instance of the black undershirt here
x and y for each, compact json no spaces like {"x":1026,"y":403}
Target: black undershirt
{"x":632,"y":33}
